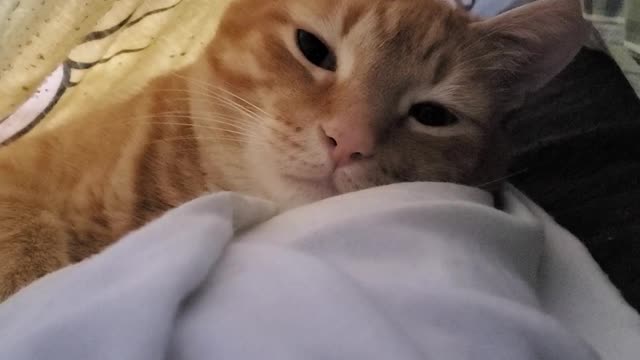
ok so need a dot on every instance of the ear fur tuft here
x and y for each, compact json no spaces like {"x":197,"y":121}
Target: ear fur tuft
{"x":532,"y":43}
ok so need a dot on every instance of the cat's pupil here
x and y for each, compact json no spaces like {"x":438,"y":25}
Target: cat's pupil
{"x":315,"y":50}
{"x":431,"y":114}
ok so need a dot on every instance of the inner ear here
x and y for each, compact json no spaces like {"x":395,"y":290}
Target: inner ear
{"x":530,"y":45}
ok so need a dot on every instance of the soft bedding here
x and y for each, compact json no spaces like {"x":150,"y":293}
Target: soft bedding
{"x":409,"y":271}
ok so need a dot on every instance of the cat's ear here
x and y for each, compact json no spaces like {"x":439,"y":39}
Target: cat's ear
{"x":532,"y":43}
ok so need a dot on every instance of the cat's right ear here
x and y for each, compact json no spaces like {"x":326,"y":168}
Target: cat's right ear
{"x":531,"y":44}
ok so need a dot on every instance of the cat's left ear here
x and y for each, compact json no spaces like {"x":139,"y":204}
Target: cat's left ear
{"x":532,"y":43}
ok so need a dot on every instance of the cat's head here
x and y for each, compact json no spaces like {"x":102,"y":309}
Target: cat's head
{"x":341,"y":95}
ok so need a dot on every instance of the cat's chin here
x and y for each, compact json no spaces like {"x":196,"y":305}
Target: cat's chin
{"x":303,"y":191}
{"x":296,"y":190}
{"x":291,"y":191}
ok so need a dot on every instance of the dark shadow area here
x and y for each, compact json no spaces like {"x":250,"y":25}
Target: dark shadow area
{"x":577,"y":142}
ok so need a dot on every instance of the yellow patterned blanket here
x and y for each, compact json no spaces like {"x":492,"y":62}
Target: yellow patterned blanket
{"x":58,"y":59}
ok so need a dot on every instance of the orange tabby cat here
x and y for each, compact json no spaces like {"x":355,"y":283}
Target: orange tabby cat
{"x":294,"y":101}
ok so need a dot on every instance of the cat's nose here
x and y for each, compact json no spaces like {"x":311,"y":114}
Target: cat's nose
{"x":347,"y":145}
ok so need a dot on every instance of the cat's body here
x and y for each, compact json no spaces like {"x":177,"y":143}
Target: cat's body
{"x":408,"y":90}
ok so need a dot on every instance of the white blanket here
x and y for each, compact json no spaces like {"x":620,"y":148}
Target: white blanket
{"x":410,"y":271}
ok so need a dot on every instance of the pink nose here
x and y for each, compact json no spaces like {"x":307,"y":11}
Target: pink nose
{"x":348,"y":144}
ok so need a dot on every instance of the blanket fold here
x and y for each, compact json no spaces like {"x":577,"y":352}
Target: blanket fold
{"x":408,"y":271}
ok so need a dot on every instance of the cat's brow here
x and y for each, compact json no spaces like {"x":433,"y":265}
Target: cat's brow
{"x":440,"y":70}
{"x":352,"y":17}
{"x":404,"y":39}
{"x":432,"y":48}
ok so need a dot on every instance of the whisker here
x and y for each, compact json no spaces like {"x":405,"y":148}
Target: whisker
{"x":506,"y":177}
{"x":220,"y":100}
{"x":207,"y":127}
{"x":205,"y":116}
{"x":232,"y":105}
{"x":214,"y":120}
{"x":216,"y":99}
{"x":208,"y":86}
{"x":203,"y":141}
{"x":210,"y":90}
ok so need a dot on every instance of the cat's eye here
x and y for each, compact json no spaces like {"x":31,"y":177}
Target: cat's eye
{"x":315,"y":50}
{"x":432,"y":114}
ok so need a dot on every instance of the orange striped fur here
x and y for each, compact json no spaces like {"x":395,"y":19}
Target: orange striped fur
{"x":253,"y":115}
